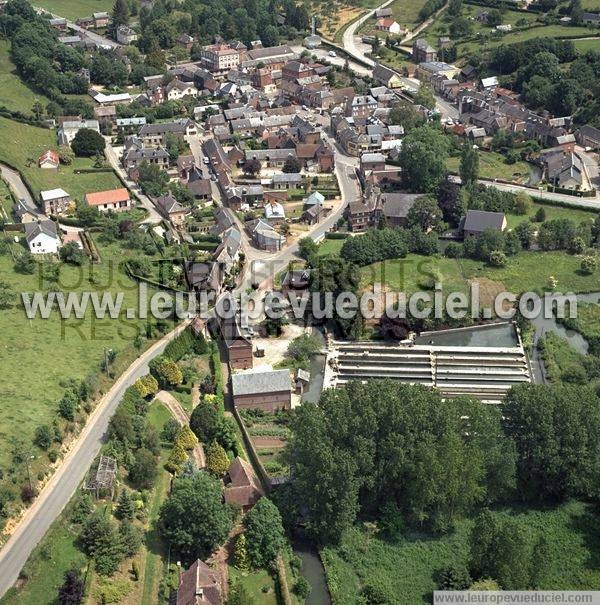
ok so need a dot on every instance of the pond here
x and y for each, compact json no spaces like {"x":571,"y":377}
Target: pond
{"x":491,"y":335}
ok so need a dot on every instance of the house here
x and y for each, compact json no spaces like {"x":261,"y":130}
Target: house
{"x":313,"y":214}
{"x":120,"y":98}
{"x":171,"y":209}
{"x":23,"y":213}
{"x":504,"y":27}
{"x":176,"y":89}
{"x":274,"y":212}
{"x":565,"y":170}
{"x":69,"y":128}
{"x":220,"y":58}
{"x":101,"y":20}
{"x":203,"y":277}
{"x":106,"y":116}
{"x":54,"y":201}
{"x":361,"y":106}
{"x":264,"y":236}
{"x":301,"y":380}
{"x":116,"y":200}
{"x":387,"y":24}
{"x":588,"y":136}
{"x":428,"y":71}
{"x":126,"y":35}
{"x":134,"y":155}
{"x":156,"y":134}
{"x":273,"y":158}
{"x":489,"y":83}
{"x":423,"y":52}
{"x":199,"y":585}
{"x":591,"y":19}
{"x":372,"y":161}
{"x":238,"y":345}
{"x":395,"y":207}
{"x":200,"y":188}
{"x":295,"y":279}
{"x":228,"y":251}
{"x":262,"y":388}
{"x":315,"y":198}
{"x":384,"y":75}
{"x":242,"y":486}
{"x":42,"y":237}
{"x":478,"y":221}
{"x":287,"y":180}
{"x":49,"y":160}
{"x":59,"y":24}
{"x":185,"y":41}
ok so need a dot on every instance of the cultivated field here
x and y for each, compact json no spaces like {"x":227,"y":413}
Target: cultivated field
{"x":73,"y":9}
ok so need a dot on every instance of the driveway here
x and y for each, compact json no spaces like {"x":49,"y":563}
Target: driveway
{"x":67,"y":477}
{"x":18,"y":187}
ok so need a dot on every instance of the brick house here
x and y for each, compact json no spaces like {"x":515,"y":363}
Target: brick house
{"x":266,"y":389}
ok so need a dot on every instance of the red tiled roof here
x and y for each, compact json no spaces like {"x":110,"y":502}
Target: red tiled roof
{"x":49,"y":155}
{"x":244,"y":489}
{"x":112,"y":196}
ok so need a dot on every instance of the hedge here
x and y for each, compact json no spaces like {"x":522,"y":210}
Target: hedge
{"x":186,"y":342}
{"x":336,"y":235}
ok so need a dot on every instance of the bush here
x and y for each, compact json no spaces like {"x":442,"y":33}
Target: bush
{"x":185,"y":438}
{"x":498,"y":259}
{"x":146,"y":385}
{"x":302,"y":587}
{"x":44,"y":436}
{"x":588,"y":265}
{"x":170,"y":430}
{"x":87,"y":143}
{"x":453,"y":250}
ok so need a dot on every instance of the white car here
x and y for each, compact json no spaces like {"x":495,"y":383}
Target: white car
{"x":205,"y":160}
{"x":332,"y":53}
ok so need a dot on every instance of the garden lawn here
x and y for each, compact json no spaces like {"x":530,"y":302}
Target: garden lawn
{"x":552,"y":212}
{"x":258,"y":583}
{"x":330,"y":246}
{"x":37,"y":355}
{"x":14,"y":93}
{"x":23,"y":144}
{"x":73,"y":9}
{"x":407,"y":567}
{"x":493,"y":166}
{"x":56,"y":554}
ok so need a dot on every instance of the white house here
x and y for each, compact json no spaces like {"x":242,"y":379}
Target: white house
{"x":176,"y":89}
{"x":69,"y":128}
{"x":274,"y":211}
{"x":42,"y":237}
{"x":126,"y":35}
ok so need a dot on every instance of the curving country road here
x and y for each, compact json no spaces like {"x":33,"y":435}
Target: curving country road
{"x":67,"y":477}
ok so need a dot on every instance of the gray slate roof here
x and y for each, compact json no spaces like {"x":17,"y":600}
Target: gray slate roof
{"x":256,"y":382}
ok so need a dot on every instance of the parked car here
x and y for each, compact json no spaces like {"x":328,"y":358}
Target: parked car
{"x":332,"y":53}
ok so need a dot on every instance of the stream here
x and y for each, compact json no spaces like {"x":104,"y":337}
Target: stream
{"x":312,"y":570}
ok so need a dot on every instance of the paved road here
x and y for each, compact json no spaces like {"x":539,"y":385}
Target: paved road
{"x":17,"y":186}
{"x":67,"y":477}
{"x":340,"y":61}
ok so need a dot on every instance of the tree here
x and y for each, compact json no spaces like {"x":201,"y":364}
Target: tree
{"x":130,"y":538}
{"x":120,"y":16}
{"x":455,"y":577}
{"x":540,"y":215}
{"x":24,"y":263}
{"x":146,"y":386}
{"x":469,"y":164}
{"x":185,"y":438}
{"x":44,"y":436}
{"x":168,"y":372}
{"x":68,"y":405}
{"x":239,"y":595}
{"x":494,"y":17}
{"x":125,"y":507}
{"x":498,"y":258}
{"x":540,"y":563}
{"x":217,"y":461}
{"x":194,"y":519}
{"x":240,"y":554}
{"x":170,"y":430}
{"x":423,"y":158}
{"x":144,"y":470}
{"x":303,"y":347}
{"x":65,"y":155}
{"x":72,"y":590}
{"x":205,"y":422}
{"x":523,"y":203}
{"x":176,"y":459}
{"x":87,"y":143}
{"x":424,"y":96}
{"x":291,"y":165}
{"x":71,"y":253}
{"x":251,"y":167}
{"x":425,"y":214}
{"x":588,"y":265}
{"x":453,"y":201}
{"x":264,"y":533}
{"x":100,"y":540}
{"x":307,"y":248}
{"x":406,"y":115}
{"x":525,"y":232}
{"x":302,"y":587}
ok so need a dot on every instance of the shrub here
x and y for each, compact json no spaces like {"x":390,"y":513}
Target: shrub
{"x":170,"y":430}
{"x":302,"y":587}
{"x":588,"y":265}
{"x":87,"y":143}
{"x":176,"y":459}
{"x":453,"y":250}
{"x":185,"y":438}
{"x":146,"y":385}
{"x":44,"y":436}
{"x":217,"y":461}
{"x":498,"y":259}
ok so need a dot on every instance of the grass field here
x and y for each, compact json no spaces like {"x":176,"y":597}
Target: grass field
{"x":525,"y":272}
{"x":492,"y":166}
{"x":46,"y":567}
{"x":37,"y":355}
{"x":407,"y":567}
{"x":73,"y":9}
{"x":553,"y":212}
{"x":405,"y":12}
{"x":558,"y":355}
{"x":585,"y":45}
{"x":23,"y":144}
{"x":330,"y":246}
{"x":259,"y":584}
{"x":14,"y":93}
